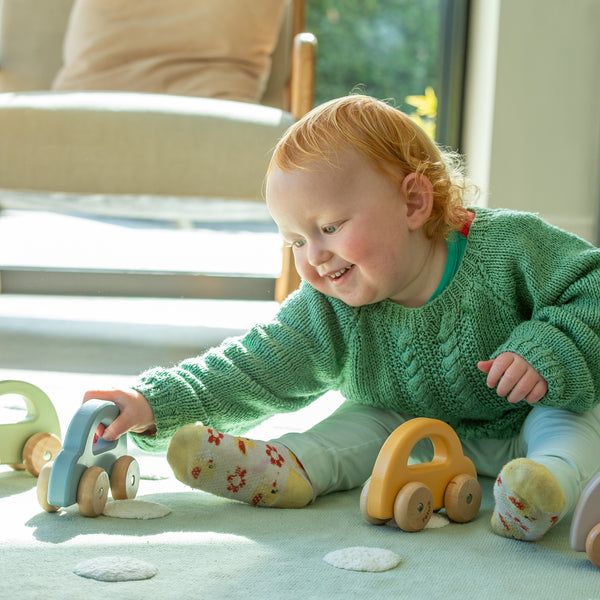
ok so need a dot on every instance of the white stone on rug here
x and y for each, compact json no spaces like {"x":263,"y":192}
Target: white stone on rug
{"x":115,"y":568}
{"x":135,"y":509}
{"x":362,"y":558}
{"x":437,"y":520}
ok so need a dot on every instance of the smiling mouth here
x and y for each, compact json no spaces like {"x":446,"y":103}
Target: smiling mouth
{"x":340,"y":273}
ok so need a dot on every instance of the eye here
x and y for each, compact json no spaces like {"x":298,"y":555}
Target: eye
{"x":330,"y":228}
{"x":298,"y":244}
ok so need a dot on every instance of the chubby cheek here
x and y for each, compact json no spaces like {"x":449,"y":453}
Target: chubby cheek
{"x":307,"y":272}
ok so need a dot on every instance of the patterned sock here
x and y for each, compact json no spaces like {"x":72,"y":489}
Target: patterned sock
{"x":529,"y":500}
{"x":256,"y":472}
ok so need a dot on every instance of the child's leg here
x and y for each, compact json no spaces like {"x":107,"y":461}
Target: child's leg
{"x":562,"y":454}
{"x":338,"y":454}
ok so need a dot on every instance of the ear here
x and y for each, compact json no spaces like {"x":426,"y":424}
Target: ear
{"x":418,"y":194}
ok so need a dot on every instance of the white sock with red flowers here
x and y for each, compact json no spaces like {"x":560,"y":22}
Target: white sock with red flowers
{"x":529,"y":500}
{"x":256,"y":472}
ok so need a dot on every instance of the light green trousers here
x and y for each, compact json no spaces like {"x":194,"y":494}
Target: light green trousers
{"x":339,"y":452}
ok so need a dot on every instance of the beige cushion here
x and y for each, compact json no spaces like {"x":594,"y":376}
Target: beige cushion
{"x":209,"y":48}
{"x":136,"y":143}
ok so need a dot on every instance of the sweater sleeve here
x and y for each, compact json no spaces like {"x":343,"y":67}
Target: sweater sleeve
{"x":555,"y":279}
{"x":276,"y":367}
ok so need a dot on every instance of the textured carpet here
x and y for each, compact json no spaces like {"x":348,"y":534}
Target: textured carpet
{"x":215,"y":548}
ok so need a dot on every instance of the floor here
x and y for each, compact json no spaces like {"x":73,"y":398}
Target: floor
{"x":237,"y":242}
{"x":235,"y":255}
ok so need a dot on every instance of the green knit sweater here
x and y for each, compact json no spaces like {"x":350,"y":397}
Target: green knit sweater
{"x":522,"y":286}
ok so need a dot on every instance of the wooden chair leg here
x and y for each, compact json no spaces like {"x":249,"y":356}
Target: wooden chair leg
{"x":289,"y":279}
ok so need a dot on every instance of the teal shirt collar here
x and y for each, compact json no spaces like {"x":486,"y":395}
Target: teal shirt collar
{"x":456,"y":248}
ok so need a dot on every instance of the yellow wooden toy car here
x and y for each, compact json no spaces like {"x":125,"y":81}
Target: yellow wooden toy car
{"x":409,"y":493}
{"x":34,"y":441}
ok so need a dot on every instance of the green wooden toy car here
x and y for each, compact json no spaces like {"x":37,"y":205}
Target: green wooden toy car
{"x":34,"y":441}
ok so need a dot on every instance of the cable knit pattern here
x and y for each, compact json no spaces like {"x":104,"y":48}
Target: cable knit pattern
{"x":522,"y":286}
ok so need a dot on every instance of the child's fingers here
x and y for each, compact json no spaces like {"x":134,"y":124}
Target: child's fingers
{"x":514,"y":378}
{"x":539,"y":391}
{"x":524,"y":386}
{"x":119,"y":426}
{"x":498,"y":370}
{"x":514,"y":381}
{"x":115,"y":430}
{"x":110,"y":395}
{"x":485,"y":365}
{"x":135,"y":414}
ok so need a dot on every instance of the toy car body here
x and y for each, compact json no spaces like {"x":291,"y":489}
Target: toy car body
{"x":35,"y":440}
{"x":409,"y":493}
{"x":585,"y":526}
{"x":88,"y":465}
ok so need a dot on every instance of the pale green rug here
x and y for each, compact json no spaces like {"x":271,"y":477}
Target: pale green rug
{"x":215,"y":548}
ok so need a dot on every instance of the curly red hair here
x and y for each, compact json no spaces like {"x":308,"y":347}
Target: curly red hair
{"x":387,"y":137}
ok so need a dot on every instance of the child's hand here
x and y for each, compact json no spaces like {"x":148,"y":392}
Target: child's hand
{"x":135,"y":413}
{"x":514,"y":377}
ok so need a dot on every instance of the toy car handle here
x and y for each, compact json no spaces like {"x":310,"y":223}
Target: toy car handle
{"x":395,"y":453}
{"x":80,"y":452}
{"x":40,"y":409}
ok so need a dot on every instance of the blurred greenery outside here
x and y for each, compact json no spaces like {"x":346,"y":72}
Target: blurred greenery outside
{"x":388,"y":49}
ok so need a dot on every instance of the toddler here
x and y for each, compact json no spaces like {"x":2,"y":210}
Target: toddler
{"x":412,"y":304}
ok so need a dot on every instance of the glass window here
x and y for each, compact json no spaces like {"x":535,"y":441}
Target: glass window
{"x":410,"y":52}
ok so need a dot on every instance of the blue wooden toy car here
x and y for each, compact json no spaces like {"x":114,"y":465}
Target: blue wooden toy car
{"x":88,"y":465}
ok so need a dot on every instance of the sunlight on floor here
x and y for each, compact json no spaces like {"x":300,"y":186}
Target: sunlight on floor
{"x":36,"y":238}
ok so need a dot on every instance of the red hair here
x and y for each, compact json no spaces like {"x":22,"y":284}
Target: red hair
{"x":386,"y":136}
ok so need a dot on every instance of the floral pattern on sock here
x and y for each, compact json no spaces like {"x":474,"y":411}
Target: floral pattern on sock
{"x":214,"y":437}
{"x":265,"y":494}
{"x":202,"y":467}
{"x":244,"y":445}
{"x":237,"y":480}
{"x":274,"y":456}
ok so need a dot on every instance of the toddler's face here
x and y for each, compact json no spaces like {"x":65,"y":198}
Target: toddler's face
{"x":348,"y":228}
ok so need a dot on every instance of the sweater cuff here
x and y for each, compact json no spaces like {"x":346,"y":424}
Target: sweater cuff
{"x":169,"y":398}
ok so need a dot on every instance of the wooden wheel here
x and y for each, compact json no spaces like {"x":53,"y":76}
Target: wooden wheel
{"x":42,"y":488}
{"x":413,"y":506}
{"x":92,"y":491}
{"x":363,"y":507}
{"x":125,"y":478}
{"x":462,"y":498}
{"x":40,"y":449}
{"x":592,"y":546}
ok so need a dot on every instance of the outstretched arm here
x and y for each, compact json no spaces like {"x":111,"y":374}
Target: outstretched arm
{"x":514,"y":377}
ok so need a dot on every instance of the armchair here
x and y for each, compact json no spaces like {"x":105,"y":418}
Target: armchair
{"x":150,"y":154}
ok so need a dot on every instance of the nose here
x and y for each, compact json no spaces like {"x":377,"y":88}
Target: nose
{"x":317,"y":254}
